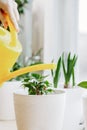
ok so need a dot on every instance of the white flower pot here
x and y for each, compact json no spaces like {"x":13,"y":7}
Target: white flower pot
{"x":73,"y":110}
{"x":6,"y":100}
{"x":40,"y":112}
{"x":85,"y":110}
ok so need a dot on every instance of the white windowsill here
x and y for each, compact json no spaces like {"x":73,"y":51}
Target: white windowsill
{"x":11,"y":125}
{"x":8,"y":125}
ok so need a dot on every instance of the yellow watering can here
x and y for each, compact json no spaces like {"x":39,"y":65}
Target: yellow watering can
{"x":10,"y":49}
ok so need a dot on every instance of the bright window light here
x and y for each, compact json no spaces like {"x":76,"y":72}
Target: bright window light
{"x":83,"y":16}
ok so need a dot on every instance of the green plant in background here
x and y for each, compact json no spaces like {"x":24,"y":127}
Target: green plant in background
{"x":33,"y":60}
{"x":68,"y":69}
{"x":21,"y":5}
{"x":83,"y":84}
{"x":36,"y":84}
{"x":56,"y":73}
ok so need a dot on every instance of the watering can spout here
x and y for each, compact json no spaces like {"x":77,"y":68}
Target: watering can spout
{"x":24,"y":70}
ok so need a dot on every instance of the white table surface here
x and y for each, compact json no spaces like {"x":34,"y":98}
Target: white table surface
{"x":8,"y":125}
{"x":11,"y":125}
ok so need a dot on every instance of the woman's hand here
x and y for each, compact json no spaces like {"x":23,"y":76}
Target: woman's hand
{"x":9,"y":7}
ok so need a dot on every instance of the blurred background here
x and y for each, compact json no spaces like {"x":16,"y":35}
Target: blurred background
{"x":54,"y":27}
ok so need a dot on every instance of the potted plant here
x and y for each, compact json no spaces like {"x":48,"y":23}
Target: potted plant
{"x":83,"y":84}
{"x":73,"y":99}
{"x":7,"y":89}
{"x":73,"y":112}
{"x":40,"y":106}
{"x":73,"y":94}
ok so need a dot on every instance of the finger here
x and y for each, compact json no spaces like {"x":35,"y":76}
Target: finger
{"x":16,"y":11}
{"x":5,"y":25}
{"x":10,"y":12}
{"x":13,"y":18}
{"x":2,"y":19}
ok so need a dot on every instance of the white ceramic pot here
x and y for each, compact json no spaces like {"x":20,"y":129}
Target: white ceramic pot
{"x":40,"y":112}
{"x":85,"y":110}
{"x":6,"y":100}
{"x":73,"y":110}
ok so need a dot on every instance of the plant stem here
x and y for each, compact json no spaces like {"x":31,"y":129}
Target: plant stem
{"x":73,"y":78}
{"x":66,"y":85}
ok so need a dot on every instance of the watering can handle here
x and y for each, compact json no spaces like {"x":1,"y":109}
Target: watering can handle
{"x":12,"y":31}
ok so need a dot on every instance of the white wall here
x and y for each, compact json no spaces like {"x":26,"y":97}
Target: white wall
{"x":25,"y":34}
{"x":61,"y":28}
{"x":82,"y":56}
{"x":53,"y":29}
{"x":82,"y":44}
{"x":37,"y":25}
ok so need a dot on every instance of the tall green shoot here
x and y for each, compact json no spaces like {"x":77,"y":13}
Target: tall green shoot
{"x":68,"y":69}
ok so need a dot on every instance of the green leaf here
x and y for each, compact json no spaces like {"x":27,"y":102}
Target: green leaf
{"x":83,"y":84}
{"x":21,"y":5}
{"x":47,"y":83}
{"x":63,"y":64}
{"x":68,"y":62}
{"x":73,"y":78}
{"x":71,"y":67}
{"x":52,"y":72}
{"x":49,"y":90}
{"x":57,"y":73}
{"x":36,"y":76}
